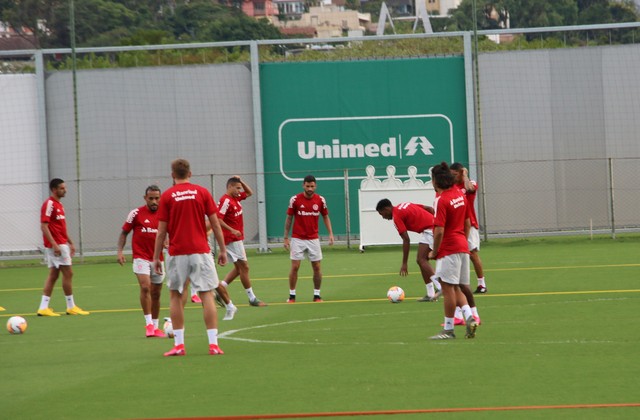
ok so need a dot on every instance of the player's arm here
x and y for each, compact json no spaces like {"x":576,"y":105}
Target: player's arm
{"x":468,"y":185}
{"x":287,"y":227}
{"x":327,"y":223}
{"x":245,"y":187}
{"x":161,"y":236}
{"x":406,"y":246}
{"x":438,"y":233}
{"x":225,"y":226}
{"x":122,"y":240}
{"x":44,"y":227}
{"x":217,"y":233}
{"x":467,"y":227}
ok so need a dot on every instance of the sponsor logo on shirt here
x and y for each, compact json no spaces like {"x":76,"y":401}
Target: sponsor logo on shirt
{"x":457,"y":202}
{"x":184,"y":195}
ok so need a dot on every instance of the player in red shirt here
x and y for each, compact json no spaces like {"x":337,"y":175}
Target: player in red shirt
{"x":305,"y":210}
{"x":181,"y":215}
{"x":450,"y":249}
{"x":470,"y":189}
{"x":232,"y":223}
{"x":143,"y":221}
{"x":58,"y":250}
{"x":415,"y":218}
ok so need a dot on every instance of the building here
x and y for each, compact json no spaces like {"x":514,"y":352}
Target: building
{"x":327,"y":21}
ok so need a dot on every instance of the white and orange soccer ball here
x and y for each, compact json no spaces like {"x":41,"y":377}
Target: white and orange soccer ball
{"x":168,"y":327}
{"x":16,"y":325}
{"x":395,"y":294}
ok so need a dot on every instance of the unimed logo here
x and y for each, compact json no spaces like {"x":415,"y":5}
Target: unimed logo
{"x":325,"y":146}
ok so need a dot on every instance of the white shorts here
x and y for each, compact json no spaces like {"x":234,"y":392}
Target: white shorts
{"x":453,"y":269}
{"x":145,"y":267}
{"x":199,"y":268}
{"x":426,"y":238}
{"x":56,"y":261}
{"x":298,"y":247}
{"x":236,"y":252}
{"x":474,"y":239}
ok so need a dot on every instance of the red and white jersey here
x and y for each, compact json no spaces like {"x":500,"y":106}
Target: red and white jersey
{"x":52,"y":212}
{"x":471,"y":200}
{"x":184,"y":207}
{"x":451,"y":211}
{"x":144,"y":224}
{"x":411,"y":217}
{"x":306,"y":212}
{"x":230,"y":211}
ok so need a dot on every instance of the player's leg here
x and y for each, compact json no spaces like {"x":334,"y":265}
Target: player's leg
{"x":144,"y":280}
{"x":447,"y":272}
{"x":315,"y":256}
{"x":464,"y":301}
{"x":47,"y":290}
{"x":178,"y":278}
{"x":67,"y":282}
{"x":477,"y":266}
{"x":156,"y":283}
{"x":427,"y":272}
{"x":204,"y":280}
{"x":296,"y":254}
{"x":231,"y":275}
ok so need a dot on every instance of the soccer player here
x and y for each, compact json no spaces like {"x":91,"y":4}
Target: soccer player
{"x":181,"y":215}
{"x":305,"y":210}
{"x":58,"y":250}
{"x":470,"y":189}
{"x":415,"y":218}
{"x":143,"y":221}
{"x":450,"y":249}
{"x":232,"y":223}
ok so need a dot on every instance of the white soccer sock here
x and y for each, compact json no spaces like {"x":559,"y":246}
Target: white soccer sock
{"x":230,"y":304}
{"x":316,"y":292}
{"x":436,"y":282}
{"x":155,"y":323}
{"x":44,"y":302}
{"x":430,"y":291}
{"x":458,"y":313}
{"x":250,"y":293}
{"x":448,"y":323}
{"x":292,"y":292}
{"x":481,"y":282}
{"x":474,"y":311}
{"x":224,"y":284}
{"x":466,"y":311}
{"x":147,"y":319}
{"x":178,"y":336}
{"x":212,"y":334}
{"x":70,"y":302}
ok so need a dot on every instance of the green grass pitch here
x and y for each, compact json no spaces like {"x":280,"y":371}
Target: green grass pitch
{"x":559,"y":328}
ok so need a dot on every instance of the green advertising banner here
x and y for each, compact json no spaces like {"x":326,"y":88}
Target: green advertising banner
{"x":336,"y":118}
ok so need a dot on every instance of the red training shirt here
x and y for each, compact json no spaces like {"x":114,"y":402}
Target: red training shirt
{"x":471,"y":200}
{"x":413,"y":217}
{"x":451,"y":212}
{"x":144,"y":224}
{"x":306,"y":212}
{"x":52,"y":212}
{"x":230,"y":210}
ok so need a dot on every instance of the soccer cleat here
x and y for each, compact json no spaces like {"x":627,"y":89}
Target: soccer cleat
{"x":480,"y":289}
{"x":292,"y":299}
{"x":219,"y":300}
{"x":159,"y":333}
{"x":477,"y":318}
{"x":444,"y":335}
{"x":47,"y":312}
{"x":2,"y":309}
{"x":426,"y":298}
{"x":317,"y":298}
{"x":471,"y":328}
{"x":76,"y":311}
{"x":231,"y":312}
{"x":178,"y":350}
{"x":196,"y":299}
{"x":257,"y":302}
{"x":214,"y":349}
{"x":149,"y":330}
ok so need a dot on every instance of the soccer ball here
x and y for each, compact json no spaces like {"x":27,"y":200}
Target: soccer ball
{"x":395,"y":294}
{"x":168,"y":327}
{"x":16,"y":325}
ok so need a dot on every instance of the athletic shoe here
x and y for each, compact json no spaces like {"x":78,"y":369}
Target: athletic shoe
{"x":150,"y":330}
{"x":480,"y":289}
{"x":219,"y":300}
{"x":458,"y":321}
{"x":471,"y":328}
{"x":477,"y":318}
{"x":2,"y":309}
{"x":178,"y":350}
{"x":47,"y":312}
{"x":257,"y":302}
{"x":159,"y":333}
{"x":317,"y":298}
{"x":292,"y":299}
{"x":214,"y":349}
{"x":231,"y":312}
{"x":426,"y":298}
{"x":76,"y":311}
{"x":444,"y":335}
{"x":196,"y":299}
